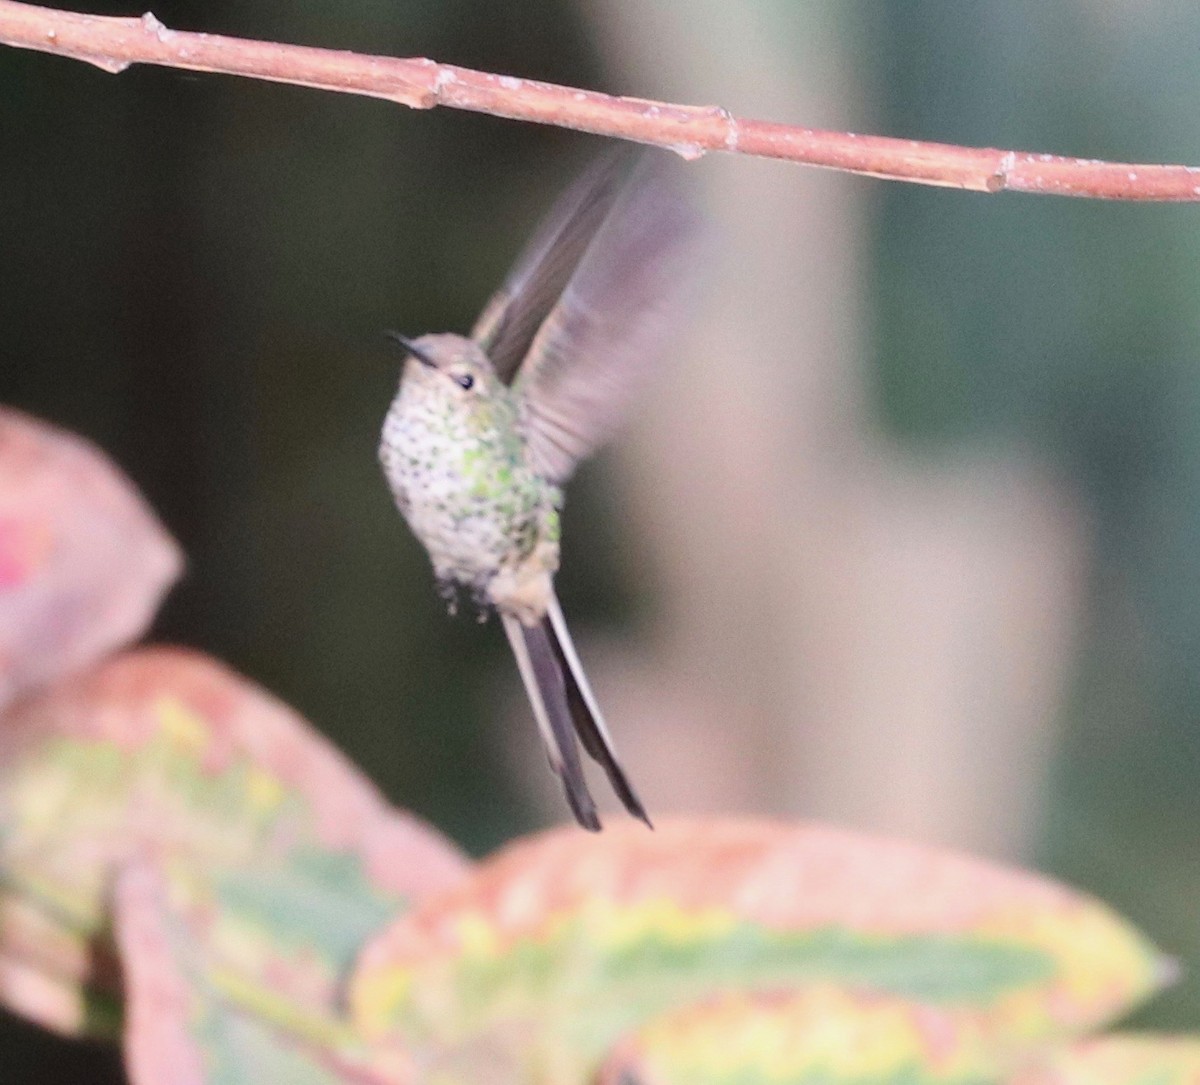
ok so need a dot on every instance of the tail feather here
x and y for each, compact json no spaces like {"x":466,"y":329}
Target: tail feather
{"x":585,"y":713}
{"x":566,"y":709}
{"x":543,"y":678}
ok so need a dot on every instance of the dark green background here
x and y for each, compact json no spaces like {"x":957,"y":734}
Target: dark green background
{"x":195,"y":270}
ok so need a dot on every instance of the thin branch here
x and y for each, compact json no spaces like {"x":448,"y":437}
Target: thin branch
{"x":115,"y":43}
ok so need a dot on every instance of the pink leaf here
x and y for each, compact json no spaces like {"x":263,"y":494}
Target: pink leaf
{"x":83,"y":561}
{"x":159,"y":996}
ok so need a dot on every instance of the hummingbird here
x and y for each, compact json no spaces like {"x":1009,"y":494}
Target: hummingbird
{"x":485,"y":429}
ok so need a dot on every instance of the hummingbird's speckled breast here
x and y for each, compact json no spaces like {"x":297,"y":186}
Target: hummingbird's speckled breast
{"x":457,"y":466}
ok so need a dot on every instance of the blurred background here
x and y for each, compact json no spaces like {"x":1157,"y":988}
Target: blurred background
{"x":906,"y":534}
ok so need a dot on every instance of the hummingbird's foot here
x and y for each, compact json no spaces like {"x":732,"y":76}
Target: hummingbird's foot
{"x":449,"y":590}
{"x":482,"y":603}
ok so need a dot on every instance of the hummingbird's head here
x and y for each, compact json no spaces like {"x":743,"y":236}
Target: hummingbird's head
{"x":448,"y":364}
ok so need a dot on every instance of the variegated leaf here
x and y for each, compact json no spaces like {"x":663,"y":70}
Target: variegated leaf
{"x":1118,"y":1059}
{"x":560,"y":946}
{"x":278,"y":855}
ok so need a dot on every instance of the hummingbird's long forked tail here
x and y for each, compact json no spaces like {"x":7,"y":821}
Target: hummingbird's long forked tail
{"x":565,"y":709}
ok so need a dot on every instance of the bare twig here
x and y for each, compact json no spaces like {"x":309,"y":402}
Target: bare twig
{"x":115,"y":43}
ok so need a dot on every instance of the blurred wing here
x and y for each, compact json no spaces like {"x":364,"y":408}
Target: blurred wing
{"x":625,"y":300}
{"x":506,"y":327}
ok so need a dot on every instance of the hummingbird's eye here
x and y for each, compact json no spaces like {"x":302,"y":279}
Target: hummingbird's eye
{"x":465,"y":380}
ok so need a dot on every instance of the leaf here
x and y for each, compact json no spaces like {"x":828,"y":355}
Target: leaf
{"x":179,"y":1027}
{"x":1118,"y":1059}
{"x":820,"y":1033}
{"x":558,"y":947}
{"x":279,"y":856}
{"x":83,"y":561}
{"x":163,"y":1005}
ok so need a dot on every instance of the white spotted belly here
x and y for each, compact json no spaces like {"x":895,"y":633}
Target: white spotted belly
{"x":455,"y":499}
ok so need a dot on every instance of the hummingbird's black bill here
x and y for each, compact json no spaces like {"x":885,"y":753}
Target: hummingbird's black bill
{"x":412,"y":348}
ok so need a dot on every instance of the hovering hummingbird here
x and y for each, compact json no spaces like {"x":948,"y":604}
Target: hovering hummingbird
{"x":484,"y":430}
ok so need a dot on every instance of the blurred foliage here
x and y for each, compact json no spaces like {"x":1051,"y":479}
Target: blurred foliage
{"x":272,"y":919}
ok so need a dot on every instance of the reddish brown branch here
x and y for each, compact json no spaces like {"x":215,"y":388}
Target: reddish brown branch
{"x":115,"y":43}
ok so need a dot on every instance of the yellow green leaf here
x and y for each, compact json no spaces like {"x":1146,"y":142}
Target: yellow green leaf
{"x":1117,"y":1059}
{"x":560,"y":946}
{"x":817,"y":1033}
